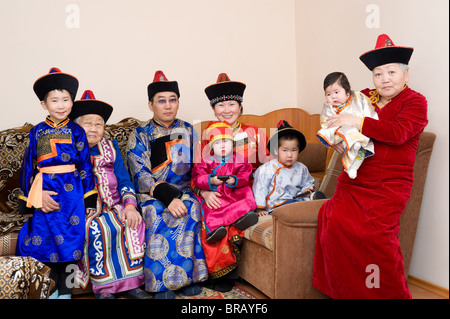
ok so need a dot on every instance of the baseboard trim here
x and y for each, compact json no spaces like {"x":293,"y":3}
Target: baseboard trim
{"x":428,"y":286}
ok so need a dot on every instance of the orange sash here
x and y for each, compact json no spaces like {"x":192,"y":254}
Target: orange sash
{"x":35,"y":194}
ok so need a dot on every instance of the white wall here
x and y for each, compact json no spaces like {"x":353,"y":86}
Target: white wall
{"x":282,"y":50}
{"x":120,"y":44}
{"x":331,"y":35}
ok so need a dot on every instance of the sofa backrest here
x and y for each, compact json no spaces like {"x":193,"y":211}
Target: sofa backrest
{"x":315,"y":154}
{"x":410,"y":217}
{"x":13,"y":143}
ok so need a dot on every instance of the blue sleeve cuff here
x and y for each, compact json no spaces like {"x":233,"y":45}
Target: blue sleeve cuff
{"x":236,"y":179}
{"x":211,"y":186}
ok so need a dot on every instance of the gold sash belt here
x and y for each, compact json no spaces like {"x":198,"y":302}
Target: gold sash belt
{"x":35,"y":194}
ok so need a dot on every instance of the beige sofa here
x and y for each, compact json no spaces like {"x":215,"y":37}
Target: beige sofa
{"x":277,"y":253}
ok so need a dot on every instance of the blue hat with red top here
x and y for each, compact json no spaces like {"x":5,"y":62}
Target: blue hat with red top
{"x":88,"y":104}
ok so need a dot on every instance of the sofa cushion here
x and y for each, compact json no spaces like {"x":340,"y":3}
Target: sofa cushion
{"x":120,"y":132}
{"x":24,"y":278}
{"x":261,"y":232}
{"x":12,"y":147}
{"x":8,"y":243}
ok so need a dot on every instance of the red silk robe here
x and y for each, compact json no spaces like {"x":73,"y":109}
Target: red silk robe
{"x":357,"y":252}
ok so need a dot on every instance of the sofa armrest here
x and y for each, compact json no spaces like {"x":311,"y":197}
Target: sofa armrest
{"x":298,"y":214}
{"x":294,"y":236}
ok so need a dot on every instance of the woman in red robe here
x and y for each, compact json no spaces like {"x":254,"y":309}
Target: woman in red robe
{"x":357,"y":252}
{"x":226,"y":98}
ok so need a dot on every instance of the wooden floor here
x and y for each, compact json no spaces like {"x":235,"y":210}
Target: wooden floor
{"x":416,"y":292}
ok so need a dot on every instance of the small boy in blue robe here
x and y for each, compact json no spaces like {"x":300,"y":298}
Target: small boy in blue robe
{"x":57,"y":183}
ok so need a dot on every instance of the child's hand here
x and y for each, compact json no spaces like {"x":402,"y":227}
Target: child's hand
{"x":215,"y":181}
{"x":261,"y":212}
{"x":231,"y":180}
{"x":90,"y":212}
{"x":48,"y":203}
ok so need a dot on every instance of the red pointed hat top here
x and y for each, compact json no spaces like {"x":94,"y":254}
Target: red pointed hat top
{"x":54,"y":70}
{"x":384,"y":41}
{"x":223,"y":77}
{"x":160,"y":77}
{"x":283,"y":124}
{"x":386,"y":52}
{"x":88,"y":95}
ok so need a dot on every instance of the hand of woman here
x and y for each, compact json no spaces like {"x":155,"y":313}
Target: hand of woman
{"x":48,"y":203}
{"x":90,"y":212}
{"x":177,"y":208}
{"x":344,"y":120}
{"x":132,"y":216}
{"x":211,"y":199}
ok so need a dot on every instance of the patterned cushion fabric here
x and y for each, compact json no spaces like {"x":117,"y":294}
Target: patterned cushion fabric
{"x":24,"y":278}
{"x":120,"y":132}
{"x":261,"y":232}
{"x":12,"y":147}
{"x":8,"y":242}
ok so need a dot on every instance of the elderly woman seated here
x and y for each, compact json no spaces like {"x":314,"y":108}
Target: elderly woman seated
{"x":114,"y":247}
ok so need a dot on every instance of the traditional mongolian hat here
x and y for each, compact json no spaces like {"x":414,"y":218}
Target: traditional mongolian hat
{"x":218,"y":130}
{"x":224,"y":90}
{"x":161,"y":84}
{"x":55,"y":80}
{"x":89,"y":105}
{"x":386,"y":52}
{"x":284,"y":128}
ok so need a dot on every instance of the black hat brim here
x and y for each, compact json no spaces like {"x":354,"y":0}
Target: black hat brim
{"x":386,"y":55}
{"x":223,"y":91}
{"x":156,"y":87}
{"x":55,"y":81}
{"x":272,"y":144}
{"x":85,"y":107}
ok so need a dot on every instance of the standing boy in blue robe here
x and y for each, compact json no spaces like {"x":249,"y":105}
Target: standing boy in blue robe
{"x":56,"y":165}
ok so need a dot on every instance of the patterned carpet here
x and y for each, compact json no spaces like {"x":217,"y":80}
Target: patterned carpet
{"x":238,"y":292}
